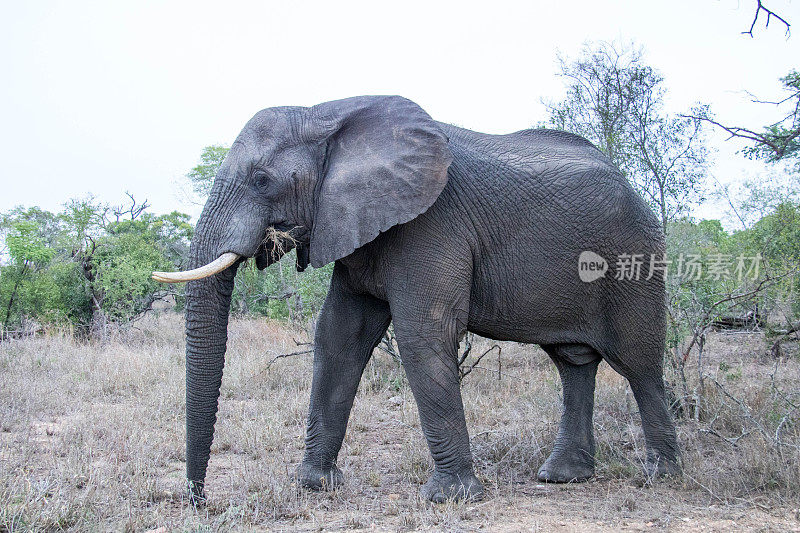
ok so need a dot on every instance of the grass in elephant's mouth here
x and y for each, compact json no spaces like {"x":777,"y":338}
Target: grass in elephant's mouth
{"x":92,"y":438}
{"x":278,"y":241}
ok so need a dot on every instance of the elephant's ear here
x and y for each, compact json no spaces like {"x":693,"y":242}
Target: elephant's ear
{"x":386,"y":163}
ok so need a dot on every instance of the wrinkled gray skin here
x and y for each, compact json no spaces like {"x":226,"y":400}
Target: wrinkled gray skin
{"x":441,"y":230}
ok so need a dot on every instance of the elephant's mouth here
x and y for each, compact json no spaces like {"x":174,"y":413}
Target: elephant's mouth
{"x":279,"y":240}
{"x":266,"y":256}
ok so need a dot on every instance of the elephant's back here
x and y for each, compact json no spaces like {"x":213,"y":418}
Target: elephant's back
{"x":542,"y":180}
{"x":545,"y":136}
{"x":527,"y":144}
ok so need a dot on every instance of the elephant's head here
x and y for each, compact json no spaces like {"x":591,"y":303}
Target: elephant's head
{"x":333,"y":176}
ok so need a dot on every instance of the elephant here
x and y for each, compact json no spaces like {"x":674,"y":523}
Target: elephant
{"x":439,"y":230}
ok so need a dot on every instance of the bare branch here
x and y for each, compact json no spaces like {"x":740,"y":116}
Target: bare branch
{"x":465,"y":371}
{"x":132,"y":211}
{"x":759,"y":8}
{"x":733,"y":441}
{"x":723,"y":190}
{"x":285,"y":355}
{"x":748,"y":414}
{"x":777,"y":143}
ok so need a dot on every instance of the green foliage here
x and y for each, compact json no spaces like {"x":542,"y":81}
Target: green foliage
{"x":279,"y":291}
{"x":124,"y":264}
{"x":170,"y":233}
{"x":26,"y":245}
{"x":772,"y":290}
{"x":202,"y":176}
{"x":776,"y":237}
{"x":690,"y":296}
{"x":73,"y":302}
{"x":28,"y":239}
{"x":314,"y":283}
{"x":78,"y":265}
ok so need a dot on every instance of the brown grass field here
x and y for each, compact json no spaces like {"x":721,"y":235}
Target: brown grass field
{"x":92,"y":439}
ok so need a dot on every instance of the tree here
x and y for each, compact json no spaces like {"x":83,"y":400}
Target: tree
{"x":202,"y":176}
{"x":756,"y":198}
{"x":27,"y":247}
{"x":87,"y":265}
{"x":669,"y":163}
{"x":777,"y":141}
{"x":776,"y":236}
{"x":129,"y":251}
{"x":617,"y":101}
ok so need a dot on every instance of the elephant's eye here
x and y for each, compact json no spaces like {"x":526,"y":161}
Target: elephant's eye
{"x":261,"y":180}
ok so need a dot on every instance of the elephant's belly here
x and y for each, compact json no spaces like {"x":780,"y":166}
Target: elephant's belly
{"x":531,"y":305}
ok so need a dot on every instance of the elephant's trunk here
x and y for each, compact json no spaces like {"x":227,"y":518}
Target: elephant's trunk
{"x":207,"y":306}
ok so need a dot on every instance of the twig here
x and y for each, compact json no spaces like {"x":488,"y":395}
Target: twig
{"x":284,"y":355}
{"x":134,"y":210}
{"x":511,"y":375}
{"x":710,"y":492}
{"x":759,"y":8}
{"x":733,"y":441}
{"x":788,"y":401}
{"x":465,"y":371}
{"x":745,"y":410}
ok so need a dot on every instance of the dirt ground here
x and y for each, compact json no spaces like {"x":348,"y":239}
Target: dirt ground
{"x":92,"y":439}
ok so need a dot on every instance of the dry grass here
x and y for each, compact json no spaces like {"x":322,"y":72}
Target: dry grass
{"x":278,"y":242}
{"x":91,"y":439}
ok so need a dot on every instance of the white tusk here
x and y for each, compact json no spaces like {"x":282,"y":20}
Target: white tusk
{"x":218,"y":265}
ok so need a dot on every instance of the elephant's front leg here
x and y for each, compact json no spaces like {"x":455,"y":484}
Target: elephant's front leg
{"x":428,"y":348}
{"x":349,"y":327}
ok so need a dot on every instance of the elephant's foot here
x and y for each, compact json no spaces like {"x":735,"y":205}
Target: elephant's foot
{"x":567,"y":467}
{"x":659,"y":465}
{"x":316,"y":478}
{"x":442,"y":487}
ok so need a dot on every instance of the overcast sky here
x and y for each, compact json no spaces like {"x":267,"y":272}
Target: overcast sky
{"x":103,"y":97}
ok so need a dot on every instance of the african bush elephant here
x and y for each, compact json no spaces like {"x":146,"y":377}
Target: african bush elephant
{"x":440,"y":230}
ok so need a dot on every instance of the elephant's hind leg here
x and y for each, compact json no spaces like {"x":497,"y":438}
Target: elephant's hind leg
{"x":572,"y":458}
{"x":647,"y":384}
{"x":663,"y":455}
